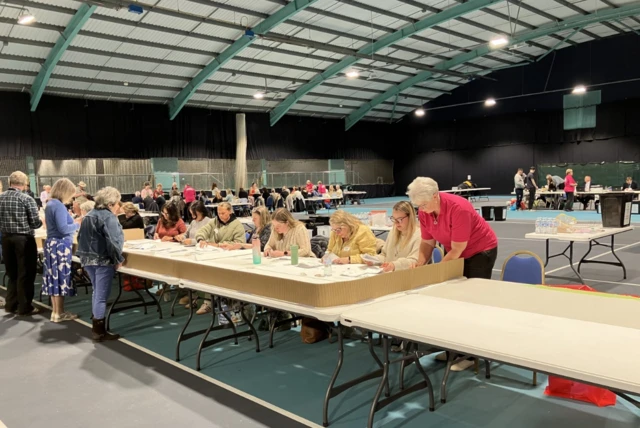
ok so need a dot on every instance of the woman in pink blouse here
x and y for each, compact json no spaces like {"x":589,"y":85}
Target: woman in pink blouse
{"x":569,"y":189}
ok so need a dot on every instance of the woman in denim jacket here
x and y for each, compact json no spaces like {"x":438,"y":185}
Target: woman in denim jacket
{"x":100,"y":243}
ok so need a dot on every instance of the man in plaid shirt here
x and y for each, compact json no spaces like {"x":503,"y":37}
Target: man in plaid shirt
{"x":18,"y":219}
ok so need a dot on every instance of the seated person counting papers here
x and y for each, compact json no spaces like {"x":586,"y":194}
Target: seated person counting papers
{"x":262,"y":221}
{"x":129,"y":217}
{"x":350,"y":238}
{"x":170,"y":226}
{"x":285,"y":232}
{"x":224,"y":229}
{"x":402,"y":247}
{"x":200,"y":217}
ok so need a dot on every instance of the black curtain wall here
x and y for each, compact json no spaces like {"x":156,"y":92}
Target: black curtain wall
{"x":70,"y":128}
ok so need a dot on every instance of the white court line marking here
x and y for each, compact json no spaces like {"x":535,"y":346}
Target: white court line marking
{"x":593,"y":258}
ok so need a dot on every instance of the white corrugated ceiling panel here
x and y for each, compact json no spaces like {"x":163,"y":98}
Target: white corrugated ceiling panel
{"x":188,"y":58}
{"x":26,"y":50}
{"x":120,"y":14}
{"x":19,"y":65}
{"x":29,"y":33}
{"x":106,"y":27}
{"x":83,"y":58}
{"x":68,"y":84}
{"x":174,"y":22}
{"x":49,"y":17}
{"x":72,"y":72}
{"x":178,"y":71}
{"x":162,"y":81}
{"x":95,"y":43}
{"x":601,"y":30}
{"x":187,"y":7}
{"x":156,"y":93}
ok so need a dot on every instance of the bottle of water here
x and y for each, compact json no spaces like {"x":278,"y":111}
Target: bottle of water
{"x":326,"y":261}
{"x":255,"y":242}
{"x":554,"y":226}
{"x":538,"y":225}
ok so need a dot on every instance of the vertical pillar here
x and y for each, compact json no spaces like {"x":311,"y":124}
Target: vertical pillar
{"x":263,"y":168}
{"x":241,"y":151}
{"x":31,"y":173}
{"x":336,"y":172}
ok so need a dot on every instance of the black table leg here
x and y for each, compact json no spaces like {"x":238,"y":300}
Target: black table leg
{"x":186,"y":324}
{"x":115,"y":301}
{"x":611,"y":246}
{"x":384,"y":381}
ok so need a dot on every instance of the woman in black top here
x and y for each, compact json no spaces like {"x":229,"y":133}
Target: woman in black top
{"x":242,"y":194}
{"x":130,"y":219}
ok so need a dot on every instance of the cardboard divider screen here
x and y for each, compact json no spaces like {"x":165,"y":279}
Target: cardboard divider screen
{"x":297,"y":290}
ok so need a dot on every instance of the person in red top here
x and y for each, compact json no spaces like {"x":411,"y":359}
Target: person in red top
{"x":452,"y":221}
{"x":170,"y":226}
{"x":189,"y":195}
{"x":309,"y":187}
{"x":569,"y":188}
{"x":158,"y":192}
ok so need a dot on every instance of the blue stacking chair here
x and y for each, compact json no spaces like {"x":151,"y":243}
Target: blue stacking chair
{"x":524,"y":267}
{"x":437,"y":255}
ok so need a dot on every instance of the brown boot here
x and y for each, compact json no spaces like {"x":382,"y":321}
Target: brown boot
{"x":99,"y":332}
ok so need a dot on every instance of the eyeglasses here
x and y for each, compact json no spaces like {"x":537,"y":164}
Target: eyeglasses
{"x":397,"y":220}
{"x":336,"y":229}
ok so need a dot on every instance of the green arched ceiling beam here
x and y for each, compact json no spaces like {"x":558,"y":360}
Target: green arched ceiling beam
{"x":228,"y":54}
{"x":545,"y":30}
{"x":73,"y":28}
{"x":371,"y":48}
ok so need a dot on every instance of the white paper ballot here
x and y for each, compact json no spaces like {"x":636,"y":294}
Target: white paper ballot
{"x":356,"y":273}
{"x":208,"y":249}
{"x":371,"y":259}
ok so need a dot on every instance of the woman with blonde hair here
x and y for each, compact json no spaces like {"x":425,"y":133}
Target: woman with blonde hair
{"x":130,"y":218}
{"x":56,"y":276}
{"x":350,"y":238}
{"x":403,"y":243}
{"x":262,"y":221}
{"x":285,"y":232}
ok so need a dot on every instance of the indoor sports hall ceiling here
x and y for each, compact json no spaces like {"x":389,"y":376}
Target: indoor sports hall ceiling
{"x":327,"y":58}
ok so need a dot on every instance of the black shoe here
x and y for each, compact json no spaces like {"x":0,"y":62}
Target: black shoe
{"x":99,"y":332}
{"x":33,"y":311}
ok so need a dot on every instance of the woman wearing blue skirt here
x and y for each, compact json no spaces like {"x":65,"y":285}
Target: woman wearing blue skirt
{"x":56,"y":277}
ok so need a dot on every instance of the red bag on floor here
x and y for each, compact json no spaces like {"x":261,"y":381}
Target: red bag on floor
{"x":129,"y":283}
{"x":565,"y":388}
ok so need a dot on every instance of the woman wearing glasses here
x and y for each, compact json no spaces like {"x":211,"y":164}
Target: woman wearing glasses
{"x":403,"y":243}
{"x":350,"y":238}
{"x":452,"y":221}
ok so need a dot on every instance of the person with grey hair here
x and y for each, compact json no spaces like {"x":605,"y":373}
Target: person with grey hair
{"x":100,"y":244}
{"x":56,"y":276}
{"x":18,"y":219}
{"x":453,"y":222}
{"x":86,"y":207}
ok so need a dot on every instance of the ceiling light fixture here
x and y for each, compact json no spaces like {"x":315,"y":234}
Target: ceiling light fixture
{"x":259,"y":95}
{"x":420,"y":112}
{"x":353,"y":74}
{"x":490,"y":102}
{"x":499,"y":42}
{"x":580,"y":89}
{"x":26,"y":18}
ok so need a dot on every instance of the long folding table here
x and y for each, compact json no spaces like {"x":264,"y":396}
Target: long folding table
{"x":587,"y":337}
{"x":592,"y":238}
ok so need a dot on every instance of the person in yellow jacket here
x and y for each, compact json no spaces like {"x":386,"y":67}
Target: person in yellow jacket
{"x":350,"y":238}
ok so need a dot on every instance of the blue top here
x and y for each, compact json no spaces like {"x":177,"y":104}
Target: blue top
{"x":59,"y":223}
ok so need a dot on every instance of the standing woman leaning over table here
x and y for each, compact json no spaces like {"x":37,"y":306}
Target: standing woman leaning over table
{"x":56,"y":276}
{"x":350,"y":238}
{"x":100,"y":244}
{"x":285,"y":232}
{"x":402,"y":247}
{"x":452,"y":221}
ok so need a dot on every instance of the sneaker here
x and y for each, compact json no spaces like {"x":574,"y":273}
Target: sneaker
{"x":65,"y":316}
{"x":166,"y":296}
{"x":184,"y":301}
{"x":462,"y":365}
{"x":204,"y":309}
{"x":442,"y":357}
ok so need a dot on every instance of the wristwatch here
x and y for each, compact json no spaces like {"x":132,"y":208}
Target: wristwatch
{"x":286,"y":253}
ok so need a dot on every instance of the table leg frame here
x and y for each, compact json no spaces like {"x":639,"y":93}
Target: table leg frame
{"x":142,"y":302}
{"x":611,"y":246}
{"x":569,"y":257}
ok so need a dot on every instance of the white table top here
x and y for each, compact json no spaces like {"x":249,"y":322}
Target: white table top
{"x":323,"y":198}
{"x":233,"y":204}
{"x":327,"y":314}
{"x":481,"y":189}
{"x":552,"y":344}
{"x":580,"y":237}
{"x":148,"y":214}
{"x":354,"y":192}
{"x":149,"y":275}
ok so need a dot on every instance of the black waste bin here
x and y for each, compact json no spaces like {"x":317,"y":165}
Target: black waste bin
{"x":616,"y":208}
{"x":487,"y":213}
{"x":499,"y":213}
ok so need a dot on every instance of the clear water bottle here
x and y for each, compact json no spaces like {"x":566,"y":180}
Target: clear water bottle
{"x":326,"y":261}
{"x":255,"y":244}
{"x":554,"y":226}
{"x":538,"y":225}
{"x":547,"y":226}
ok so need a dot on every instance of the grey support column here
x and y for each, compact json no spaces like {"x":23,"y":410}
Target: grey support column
{"x":241,"y":151}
